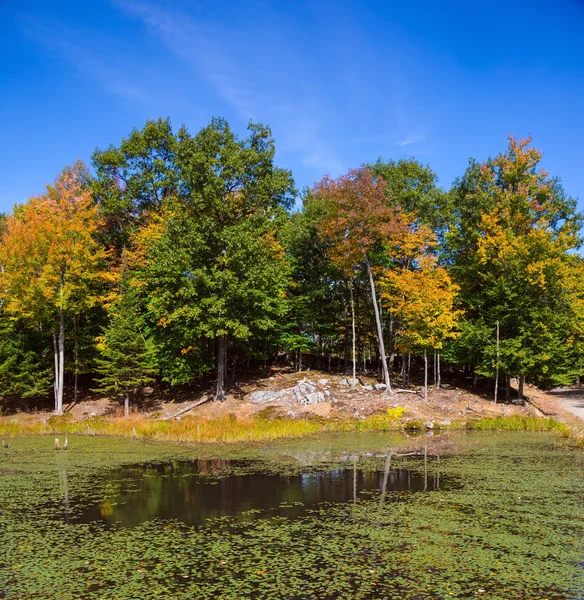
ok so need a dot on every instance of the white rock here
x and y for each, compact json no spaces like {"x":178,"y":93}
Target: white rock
{"x":265,"y":396}
{"x":323,"y":381}
{"x":380,"y":386}
{"x":314,"y":398}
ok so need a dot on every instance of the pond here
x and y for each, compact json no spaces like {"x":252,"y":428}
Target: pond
{"x":198,"y":490}
{"x":334,"y":516}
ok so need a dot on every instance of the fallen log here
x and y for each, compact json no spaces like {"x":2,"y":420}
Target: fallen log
{"x":400,"y":391}
{"x":185,"y":410}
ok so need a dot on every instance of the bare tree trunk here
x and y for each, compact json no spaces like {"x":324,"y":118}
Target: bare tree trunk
{"x":439,"y":379}
{"x":435,"y":370}
{"x":379,"y":329}
{"x":404,"y":378}
{"x":409,"y":365}
{"x":497,"y":366}
{"x":76,"y":360}
{"x":220,"y":394}
{"x":61,"y":361}
{"x":56,"y":382}
{"x":126,"y":403}
{"x":425,"y":374}
{"x":353,"y":381}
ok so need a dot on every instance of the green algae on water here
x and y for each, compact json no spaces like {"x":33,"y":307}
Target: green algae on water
{"x":510,"y":527}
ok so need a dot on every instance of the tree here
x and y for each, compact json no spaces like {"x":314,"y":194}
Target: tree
{"x":25,"y":367}
{"x":422,"y":296}
{"x":357,"y":224}
{"x":317,"y":290}
{"x":413,"y":188}
{"x":511,"y":247}
{"x":211,"y":259}
{"x":134,"y":178}
{"x":125,"y":363}
{"x":53,"y":267}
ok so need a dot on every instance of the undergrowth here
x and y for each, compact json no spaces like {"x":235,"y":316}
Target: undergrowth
{"x":260,"y":427}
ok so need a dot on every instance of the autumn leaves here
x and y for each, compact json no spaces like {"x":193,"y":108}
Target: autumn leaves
{"x":181,"y":255}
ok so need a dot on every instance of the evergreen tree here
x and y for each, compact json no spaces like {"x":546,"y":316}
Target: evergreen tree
{"x":125,"y":361}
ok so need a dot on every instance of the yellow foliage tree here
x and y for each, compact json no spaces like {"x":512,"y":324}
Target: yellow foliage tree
{"x":422,"y":297}
{"x":51,"y":262}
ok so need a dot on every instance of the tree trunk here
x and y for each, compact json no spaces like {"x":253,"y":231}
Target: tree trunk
{"x":438,"y":378}
{"x":56,"y":382}
{"x":404,"y":376}
{"x":409,"y":365}
{"x":60,"y":365}
{"x":76,"y":361}
{"x":126,"y":403}
{"x":425,"y":374}
{"x":497,"y":365}
{"x":220,"y":394}
{"x":353,"y":381}
{"x":379,"y":329}
{"x":521,"y":384}
{"x":507,"y":387}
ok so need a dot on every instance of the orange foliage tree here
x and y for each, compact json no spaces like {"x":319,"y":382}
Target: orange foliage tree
{"x":358,"y":224}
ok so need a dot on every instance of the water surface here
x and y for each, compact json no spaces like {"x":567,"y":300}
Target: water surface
{"x":195,"y":491}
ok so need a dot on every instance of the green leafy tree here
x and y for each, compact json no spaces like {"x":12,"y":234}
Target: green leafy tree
{"x":134,"y":178}
{"x":25,"y":364}
{"x":211,"y":260}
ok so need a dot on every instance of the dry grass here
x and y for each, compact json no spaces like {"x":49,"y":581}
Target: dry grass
{"x":227,"y":428}
{"x":262,"y":426}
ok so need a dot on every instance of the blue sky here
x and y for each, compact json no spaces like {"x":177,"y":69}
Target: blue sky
{"x":340,"y":82}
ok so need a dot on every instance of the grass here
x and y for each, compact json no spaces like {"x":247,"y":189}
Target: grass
{"x":518,"y":423}
{"x":261,"y":427}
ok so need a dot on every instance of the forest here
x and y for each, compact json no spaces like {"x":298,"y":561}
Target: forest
{"x":176,"y":256}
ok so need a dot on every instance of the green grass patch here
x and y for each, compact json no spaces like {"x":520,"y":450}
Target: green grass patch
{"x":518,"y":423}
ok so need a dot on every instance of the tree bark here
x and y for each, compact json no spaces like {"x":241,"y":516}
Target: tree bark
{"x":353,"y":330}
{"x":521,"y":384}
{"x":439,"y":378}
{"x":404,"y":377}
{"x":76,"y":361}
{"x":126,"y":403}
{"x":220,"y":393}
{"x":497,"y":365}
{"x":425,"y":374}
{"x":56,"y":382}
{"x":379,"y":329}
{"x":61,"y":359}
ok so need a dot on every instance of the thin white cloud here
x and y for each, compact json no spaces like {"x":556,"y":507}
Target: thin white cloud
{"x":211,"y":52}
{"x":411,"y":138}
{"x":93,"y":64}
